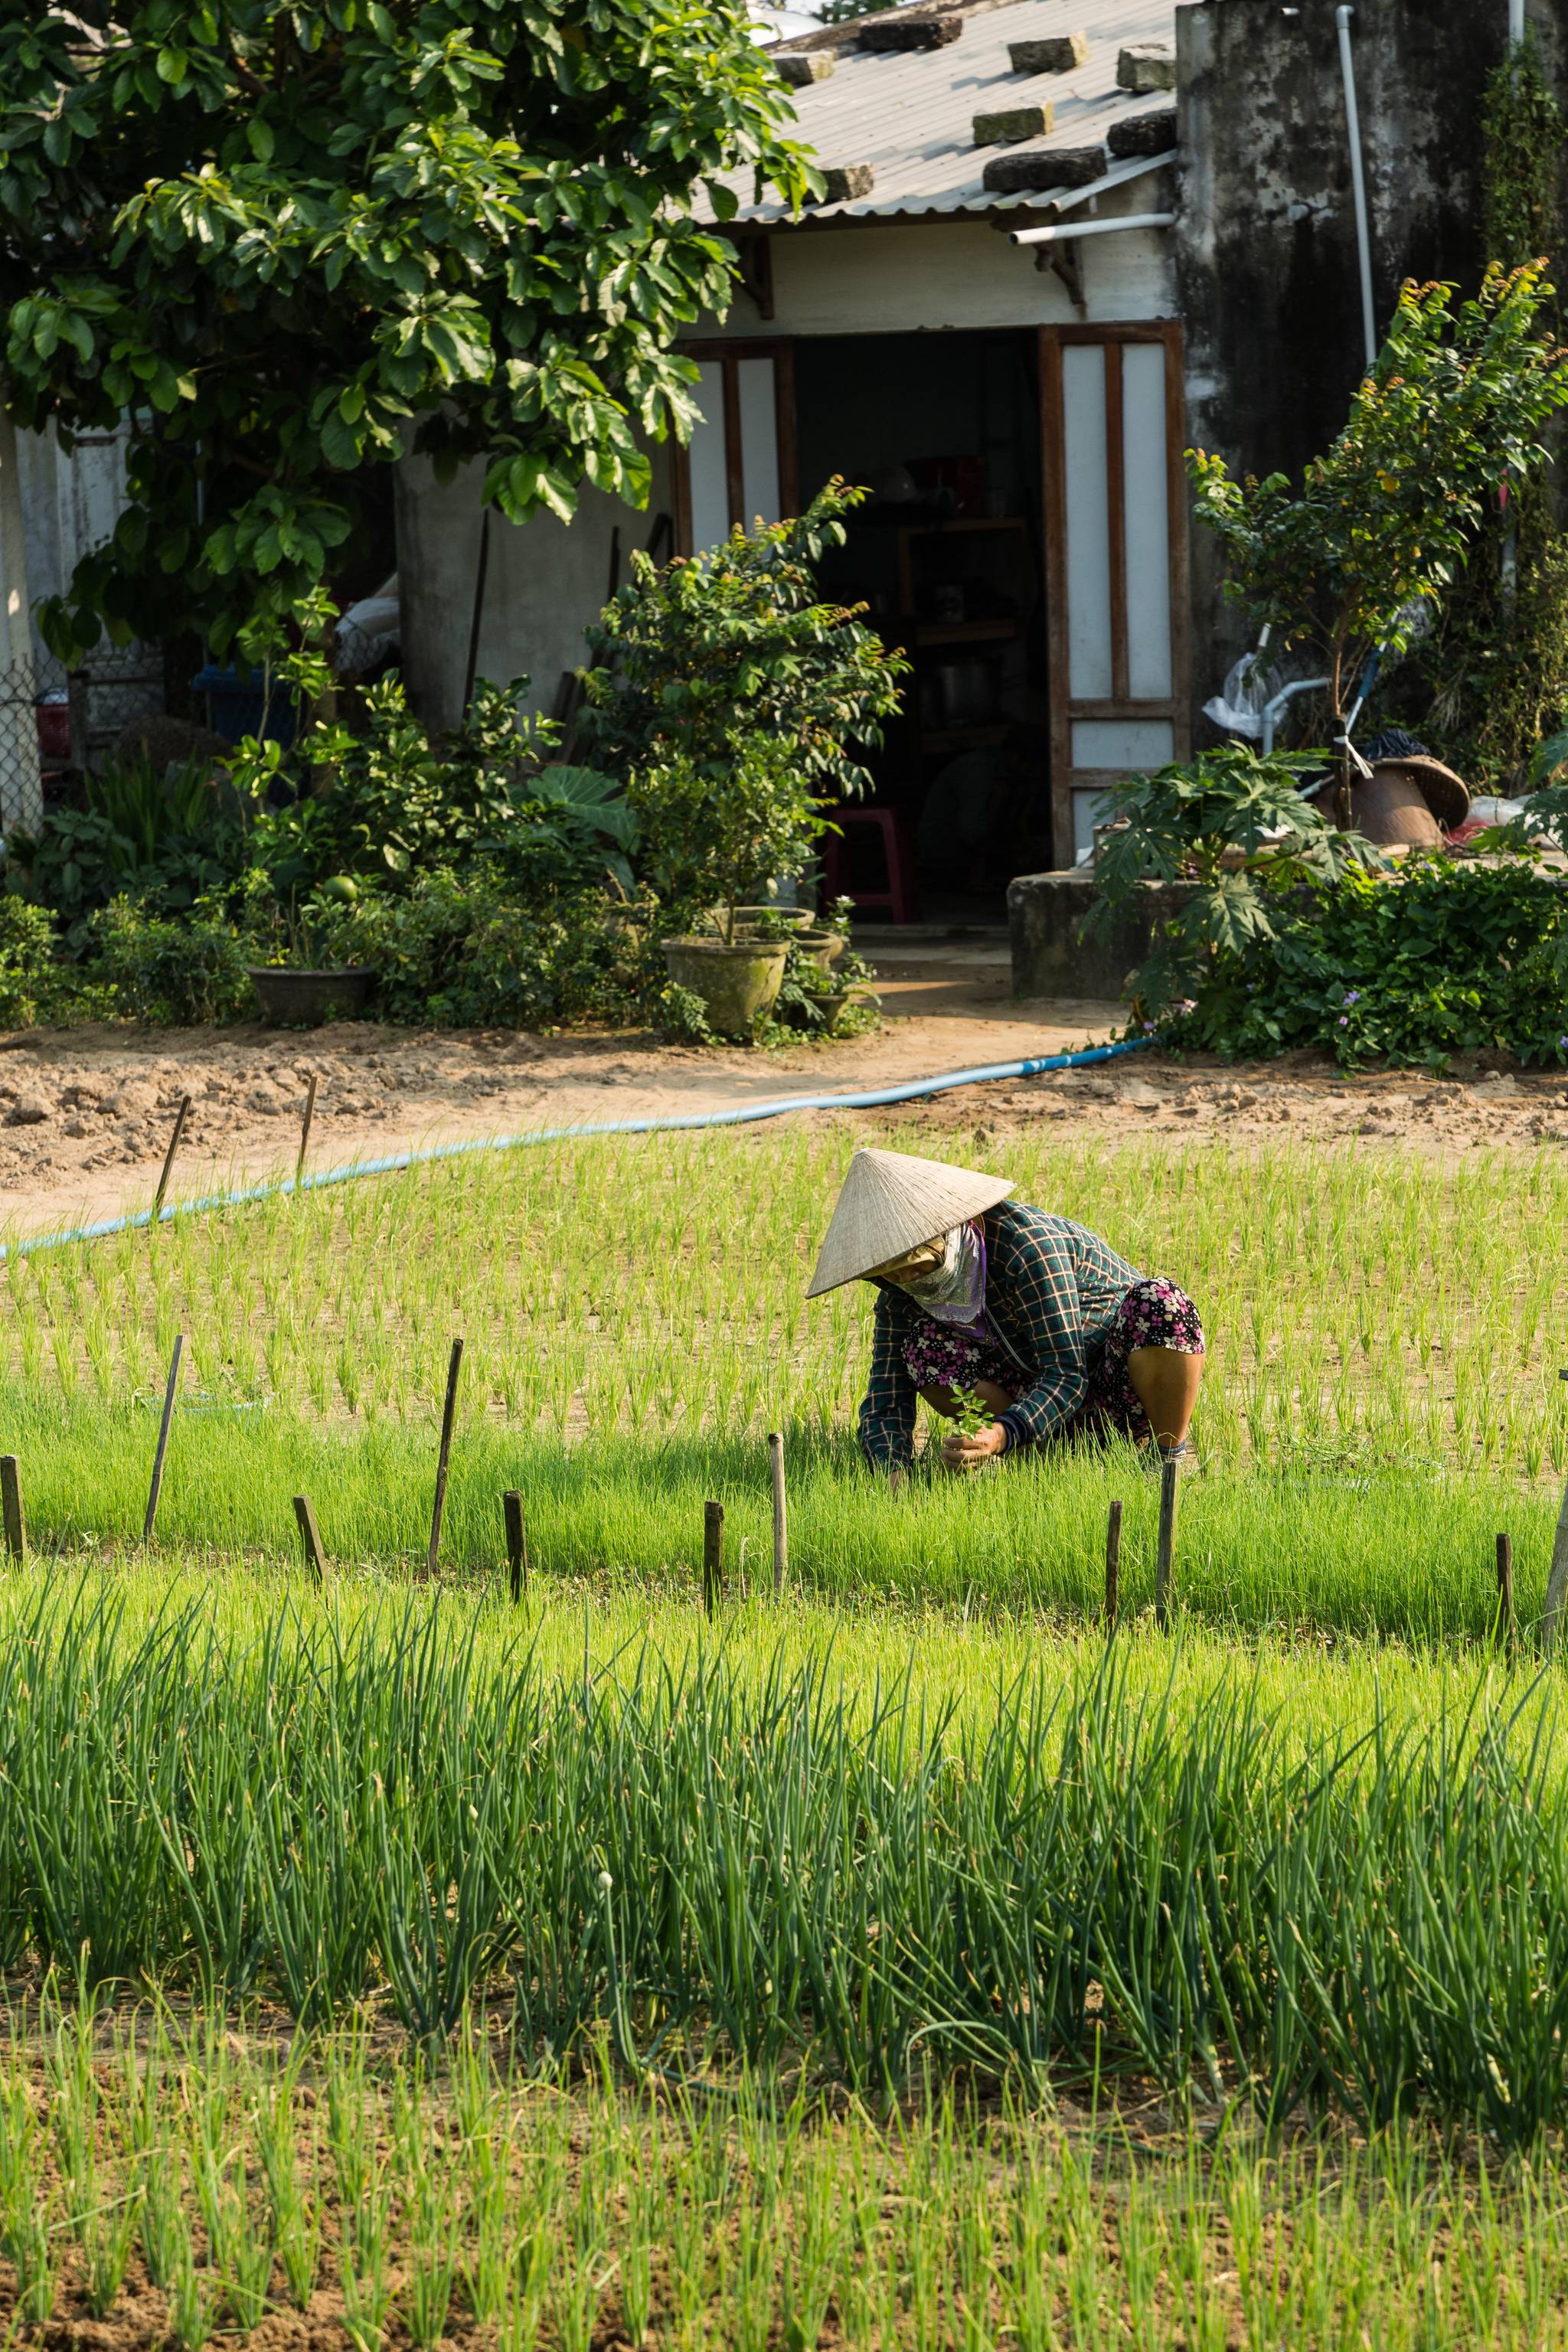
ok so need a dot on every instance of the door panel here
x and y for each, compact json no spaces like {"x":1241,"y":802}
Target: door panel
{"x":739,"y":463}
{"x":1117,"y":562}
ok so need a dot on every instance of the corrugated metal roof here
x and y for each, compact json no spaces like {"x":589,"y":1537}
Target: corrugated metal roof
{"x":910,"y":115}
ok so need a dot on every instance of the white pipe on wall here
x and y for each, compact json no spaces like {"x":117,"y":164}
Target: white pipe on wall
{"x":1515,"y":24}
{"x":1060,"y":232}
{"x":1342,"y":18}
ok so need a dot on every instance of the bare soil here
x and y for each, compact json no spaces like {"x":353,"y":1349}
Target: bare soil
{"x":86,"y":1114}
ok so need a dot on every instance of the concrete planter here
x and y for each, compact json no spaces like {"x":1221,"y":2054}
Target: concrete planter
{"x":303,"y":999}
{"x":1051,"y":956}
{"x":738,"y":985}
{"x":821,"y":948}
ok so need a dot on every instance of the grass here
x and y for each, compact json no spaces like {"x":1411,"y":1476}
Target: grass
{"x":791,"y":1857}
{"x":902,"y":1963}
{"x":1381,"y":1397}
{"x":150,"y":2162}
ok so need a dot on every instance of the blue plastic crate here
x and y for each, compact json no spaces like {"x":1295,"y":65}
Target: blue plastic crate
{"x":235,"y":704}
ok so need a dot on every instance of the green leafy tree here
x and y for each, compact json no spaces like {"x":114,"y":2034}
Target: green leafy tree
{"x":287,"y":238}
{"x":1348,"y":563}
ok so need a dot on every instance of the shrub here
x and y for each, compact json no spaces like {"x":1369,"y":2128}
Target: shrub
{"x":1440,"y":958}
{"x":161,"y":967}
{"x":456,"y":949}
{"x":723,"y":675}
{"x":31,"y":981}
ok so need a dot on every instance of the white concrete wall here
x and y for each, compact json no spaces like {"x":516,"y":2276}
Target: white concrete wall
{"x":545,"y":581}
{"x":954,"y":274}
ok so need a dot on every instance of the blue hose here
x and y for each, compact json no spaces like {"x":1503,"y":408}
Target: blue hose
{"x":740,"y":1117}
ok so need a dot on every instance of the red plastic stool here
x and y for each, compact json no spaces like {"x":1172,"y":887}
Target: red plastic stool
{"x":900,"y":894}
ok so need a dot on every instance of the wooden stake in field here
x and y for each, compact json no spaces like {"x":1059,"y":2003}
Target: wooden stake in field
{"x":712,"y":1557}
{"x":157,"y":1486}
{"x":305,"y":1132}
{"x":432,"y":1559}
{"x":781,"y":1516}
{"x":309,"y":1537}
{"x":179,"y":1117}
{"x":11,"y":1501}
{"x":516,"y":1542}
{"x":1505,"y":1593}
{"x":1112,"y":1567}
{"x":1166,"y":1544}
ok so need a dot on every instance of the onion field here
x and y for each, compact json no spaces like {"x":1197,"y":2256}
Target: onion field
{"x":900,"y":1958}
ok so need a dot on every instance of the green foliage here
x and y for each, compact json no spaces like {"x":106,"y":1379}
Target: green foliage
{"x":733,"y":700}
{"x":1493,"y":676}
{"x":167,"y":838}
{"x":283,"y":240}
{"x":30,"y":976}
{"x":1348,"y":563}
{"x":1438,"y":959}
{"x":694,"y":658}
{"x":389,"y":804}
{"x":169,"y":967}
{"x":458,"y":949}
{"x":1234,"y":828}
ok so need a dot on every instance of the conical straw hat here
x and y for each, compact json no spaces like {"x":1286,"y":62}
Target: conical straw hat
{"x":892,"y":1202}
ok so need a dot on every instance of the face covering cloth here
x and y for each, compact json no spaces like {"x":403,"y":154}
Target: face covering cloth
{"x":954,"y":1292}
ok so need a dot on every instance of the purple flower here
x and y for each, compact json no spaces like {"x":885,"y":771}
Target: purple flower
{"x":1352,"y":996}
{"x":1344,"y":1021}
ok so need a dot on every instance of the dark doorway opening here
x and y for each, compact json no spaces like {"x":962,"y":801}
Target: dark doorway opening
{"x":947,"y":554}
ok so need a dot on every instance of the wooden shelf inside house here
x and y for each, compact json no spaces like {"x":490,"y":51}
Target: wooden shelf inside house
{"x":998,"y":568}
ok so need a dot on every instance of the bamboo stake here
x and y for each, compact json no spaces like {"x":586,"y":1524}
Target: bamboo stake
{"x":781,"y":1516}
{"x":157,"y":1486}
{"x":1112,"y":1567}
{"x":516,"y":1542}
{"x":310,"y":1537}
{"x":305,"y":1132}
{"x":11,"y":1497}
{"x":1505,"y":1592}
{"x":1166,"y":1545}
{"x":179,"y":1117}
{"x":432,"y":1557}
{"x":712,"y":1557}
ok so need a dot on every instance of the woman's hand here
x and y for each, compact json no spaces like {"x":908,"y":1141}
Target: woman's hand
{"x":962,"y":1453}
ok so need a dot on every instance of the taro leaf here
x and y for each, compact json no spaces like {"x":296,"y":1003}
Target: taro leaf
{"x":595,"y":799}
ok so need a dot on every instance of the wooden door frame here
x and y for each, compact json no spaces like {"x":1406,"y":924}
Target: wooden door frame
{"x":780,"y":349}
{"x":1114,"y":335}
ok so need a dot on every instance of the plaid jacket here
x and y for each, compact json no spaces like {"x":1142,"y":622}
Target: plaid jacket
{"x":1052,"y":1289}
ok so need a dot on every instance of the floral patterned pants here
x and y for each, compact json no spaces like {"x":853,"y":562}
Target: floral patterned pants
{"x":1154,"y":1313}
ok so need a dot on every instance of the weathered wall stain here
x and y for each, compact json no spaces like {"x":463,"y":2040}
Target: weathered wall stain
{"x":1267,"y":262}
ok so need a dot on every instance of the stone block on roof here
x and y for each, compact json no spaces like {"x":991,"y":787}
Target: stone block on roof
{"x":895,"y":31}
{"x":1029,"y":169}
{"x":802,"y":68}
{"x":1153,"y":133}
{"x":1146,"y":65}
{"x":1063,"y":53}
{"x":1013,"y":123}
{"x":843,"y":183}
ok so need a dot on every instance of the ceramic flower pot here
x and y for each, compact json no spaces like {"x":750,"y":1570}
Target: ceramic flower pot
{"x":738,"y":985}
{"x":303,"y":999}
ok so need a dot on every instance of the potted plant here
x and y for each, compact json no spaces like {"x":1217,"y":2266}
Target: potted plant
{"x":312,"y":968}
{"x":754,"y":818}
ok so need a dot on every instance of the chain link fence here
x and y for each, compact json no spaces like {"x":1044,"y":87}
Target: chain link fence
{"x":57,"y":725}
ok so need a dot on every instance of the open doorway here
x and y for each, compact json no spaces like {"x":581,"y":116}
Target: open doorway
{"x":947,"y":554}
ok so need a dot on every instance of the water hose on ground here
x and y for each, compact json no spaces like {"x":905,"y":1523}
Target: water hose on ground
{"x":742,"y":1114}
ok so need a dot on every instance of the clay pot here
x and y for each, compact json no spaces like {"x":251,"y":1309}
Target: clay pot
{"x":738,"y":985}
{"x":1408,"y":802}
{"x":821,"y":948}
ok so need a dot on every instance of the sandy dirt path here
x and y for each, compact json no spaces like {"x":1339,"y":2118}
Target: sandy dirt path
{"x":85,"y":1114}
